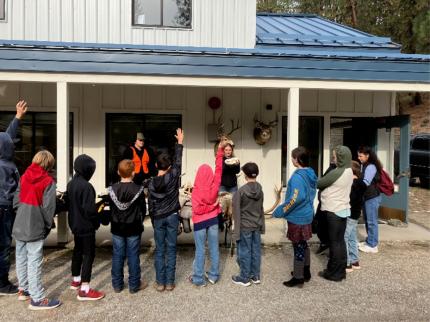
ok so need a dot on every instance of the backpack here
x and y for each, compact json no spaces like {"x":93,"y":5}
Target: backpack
{"x":385,"y":184}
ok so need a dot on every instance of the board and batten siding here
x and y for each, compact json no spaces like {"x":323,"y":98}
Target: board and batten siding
{"x":90,"y":103}
{"x":220,"y":23}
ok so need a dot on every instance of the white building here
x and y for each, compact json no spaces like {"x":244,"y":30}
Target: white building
{"x":110,"y":68}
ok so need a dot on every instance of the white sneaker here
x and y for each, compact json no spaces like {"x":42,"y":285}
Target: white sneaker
{"x":367,"y":249}
{"x":210,"y":280}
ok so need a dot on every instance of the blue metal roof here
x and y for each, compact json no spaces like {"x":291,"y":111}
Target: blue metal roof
{"x":291,"y":30}
{"x":28,"y":56}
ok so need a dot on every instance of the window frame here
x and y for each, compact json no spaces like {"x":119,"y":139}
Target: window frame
{"x":160,"y":26}
{"x":4,"y":18}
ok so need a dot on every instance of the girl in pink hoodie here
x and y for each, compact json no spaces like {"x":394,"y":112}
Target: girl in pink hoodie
{"x":205,"y":218}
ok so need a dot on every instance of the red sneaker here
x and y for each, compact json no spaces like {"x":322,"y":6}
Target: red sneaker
{"x":92,"y":295}
{"x":75,"y":285}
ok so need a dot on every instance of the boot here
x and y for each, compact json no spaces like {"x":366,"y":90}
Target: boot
{"x":294,"y":282}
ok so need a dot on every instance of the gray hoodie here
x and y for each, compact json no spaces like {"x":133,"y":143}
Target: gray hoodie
{"x":248,"y":213}
{"x":9,"y":176}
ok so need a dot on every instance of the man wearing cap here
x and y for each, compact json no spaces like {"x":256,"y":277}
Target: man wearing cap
{"x":143,"y":159}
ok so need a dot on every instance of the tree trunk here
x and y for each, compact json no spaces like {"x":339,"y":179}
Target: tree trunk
{"x":353,"y":12}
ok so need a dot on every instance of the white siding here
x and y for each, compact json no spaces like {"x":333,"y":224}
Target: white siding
{"x":89,"y":103}
{"x":220,"y":23}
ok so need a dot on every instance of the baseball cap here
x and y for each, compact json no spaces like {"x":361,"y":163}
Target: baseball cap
{"x":250,"y":169}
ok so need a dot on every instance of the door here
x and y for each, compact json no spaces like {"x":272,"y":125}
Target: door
{"x":396,"y":206}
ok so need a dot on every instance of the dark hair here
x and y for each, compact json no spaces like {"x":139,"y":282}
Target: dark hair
{"x":356,"y":168}
{"x":301,"y":154}
{"x":373,"y":158}
{"x":163,"y":161}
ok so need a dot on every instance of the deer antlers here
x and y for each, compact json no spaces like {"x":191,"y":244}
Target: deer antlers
{"x":221,"y":128}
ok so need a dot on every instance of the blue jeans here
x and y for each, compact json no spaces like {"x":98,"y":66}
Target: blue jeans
{"x":249,"y":254}
{"x":199,"y":257}
{"x":7,"y":217}
{"x":126,"y":247}
{"x":370,"y":212}
{"x":29,"y":258}
{"x":165,"y":235}
{"x":228,"y":189}
{"x":351,"y":241}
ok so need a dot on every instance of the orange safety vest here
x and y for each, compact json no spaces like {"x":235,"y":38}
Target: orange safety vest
{"x":138,"y":162}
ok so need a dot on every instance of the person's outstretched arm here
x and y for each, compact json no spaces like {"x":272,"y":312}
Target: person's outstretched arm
{"x":21,"y":109}
{"x":177,"y":163}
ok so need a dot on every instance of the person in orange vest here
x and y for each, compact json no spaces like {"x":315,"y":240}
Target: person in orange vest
{"x":143,"y":159}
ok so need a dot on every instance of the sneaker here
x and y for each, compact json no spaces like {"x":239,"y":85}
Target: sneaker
{"x":240,"y":281}
{"x":210,"y":280}
{"x":255,"y":280}
{"x":348,"y":268}
{"x":356,"y":265}
{"x":118,"y":290}
{"x":23,"y":295}
{"x":143,"y":285}
{"x":45,"y":304}
{"x":170,"y":287}
{"x":91,"y":295}
{"x":294,"y":282}
{"x":159,"y":287}
{"x":367,"y":249}
{"x":190,"y":279}
{"x":75,"y":285}
{"x":9,"y":289}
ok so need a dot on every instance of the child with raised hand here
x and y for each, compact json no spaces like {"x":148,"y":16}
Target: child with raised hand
{"x":248,"y":216}
{"x":128,"y":209}
{"x":35,"y":204}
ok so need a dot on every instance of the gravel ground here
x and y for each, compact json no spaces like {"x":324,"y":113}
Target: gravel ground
{"x":419,"y":206}
{"x":392,"y":286}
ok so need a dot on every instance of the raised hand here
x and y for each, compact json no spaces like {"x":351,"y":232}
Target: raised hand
{"x":21,"y":109}
{"x":179,"y":135}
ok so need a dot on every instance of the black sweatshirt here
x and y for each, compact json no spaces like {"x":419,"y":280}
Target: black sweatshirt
{"x":228,"y":178}
{"x":128,"y":208}
{"x":356,"y":198}
{"x":83,"y":217}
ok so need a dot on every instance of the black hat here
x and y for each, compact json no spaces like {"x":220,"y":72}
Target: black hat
{"x":250,"y":169}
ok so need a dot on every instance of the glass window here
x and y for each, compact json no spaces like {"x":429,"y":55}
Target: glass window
{"x":158,"y":129}
{"x":421,"y":143}
{"x":162,"y":13}
{"x":311,"y":137}
{"x":2,"y":9}
{"x":37,"y":131}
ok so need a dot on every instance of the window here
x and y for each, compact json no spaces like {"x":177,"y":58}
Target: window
{"x":37,"y":131}
{"x":162,"y":13}
{"x":121,"y":129}
{"x":421,"y":143}
{"x":310,"y":136}
{"x":2,"y":9}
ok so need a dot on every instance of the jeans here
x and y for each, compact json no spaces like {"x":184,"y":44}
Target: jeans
{"x":83,"y":257}
{"x":7,"y":217}
{"x":125,"y":247}
{"x":337,"y":258}
{"x":370,"y":212}
{"x":351,"y":241}
{"x":199,"y":257}
{"x":249,"y":254}
{"x":29,"y":258}
{"x":165,"y":235}
{"x":228,"y":189}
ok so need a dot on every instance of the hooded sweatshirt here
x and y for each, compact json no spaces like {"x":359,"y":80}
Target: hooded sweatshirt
{"x":83,"y":216}
{"x":204,"y":198}
{"x":163,"y":190}
{"x":298,"y":207}
{"x":336,"y":185}
{"x":9,"y":176}
{"x":35,"y":204}
{"x":248,"y":213}
{"x":128,"y":209}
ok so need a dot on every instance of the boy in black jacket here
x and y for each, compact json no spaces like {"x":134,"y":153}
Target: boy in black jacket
{"x":356,"y":201}
{"x":128,"y":209}
{"x":83,"y":221}
{"x":163,"y":209}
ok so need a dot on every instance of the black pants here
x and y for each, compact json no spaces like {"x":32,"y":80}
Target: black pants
{"x":322,"y":229}
{"x":83,"y":257}
{"x":7,"y":217}
{"x":337,"y":257}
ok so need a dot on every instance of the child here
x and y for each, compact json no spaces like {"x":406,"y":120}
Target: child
{"x":356,"y":197}
{"x":128,"y":209}
{"x":229,"y":170}
{"x":163,"y":209}
{"x":9,"y":178}
{"x":205,"y":218}
{"x":83,"y":221}
{"x":35,"y":203}
{"x":298,"y":210}
{"x":248,"y":215}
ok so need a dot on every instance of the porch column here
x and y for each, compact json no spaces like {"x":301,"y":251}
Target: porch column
{"x":62,"y":161}
{"x":292,"y":127}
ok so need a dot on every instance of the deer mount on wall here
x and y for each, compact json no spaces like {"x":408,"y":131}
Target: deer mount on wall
{"x":263,"y":131}
{"x":222,"y":134}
